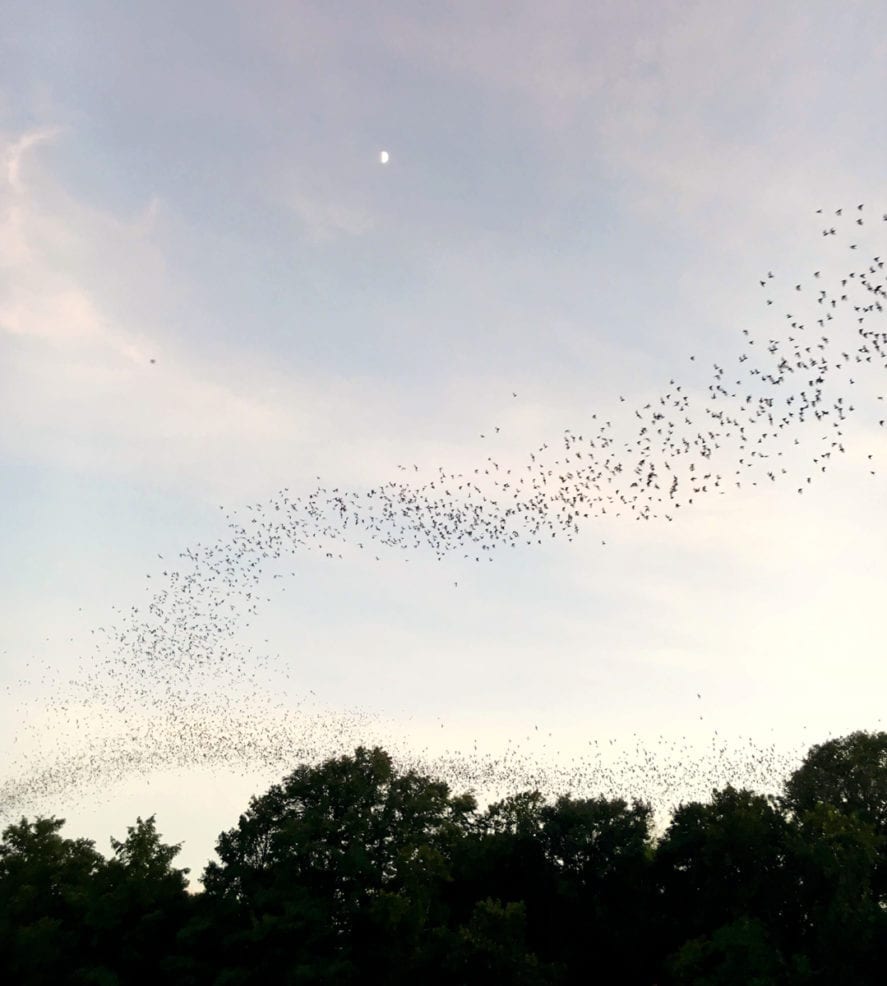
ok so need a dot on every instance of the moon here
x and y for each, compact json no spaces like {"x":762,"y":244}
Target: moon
{"x":383,"y":157}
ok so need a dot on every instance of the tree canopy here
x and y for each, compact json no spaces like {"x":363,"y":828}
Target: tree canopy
{"x":353,"y":871}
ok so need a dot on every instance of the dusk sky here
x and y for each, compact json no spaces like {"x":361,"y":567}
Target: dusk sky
{"x":212,"y":289}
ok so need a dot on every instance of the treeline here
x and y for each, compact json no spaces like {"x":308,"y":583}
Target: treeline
{"x":353,"y":872}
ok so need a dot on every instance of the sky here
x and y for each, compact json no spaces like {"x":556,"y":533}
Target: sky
{"x":211,"y":289}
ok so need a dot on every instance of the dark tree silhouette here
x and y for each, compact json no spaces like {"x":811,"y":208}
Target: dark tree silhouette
{"x":347,"y":858}
{"x":351,"y":871}
{"x":68,"y":915}
{"x":45,"y":886}
{"x":849,"y":773}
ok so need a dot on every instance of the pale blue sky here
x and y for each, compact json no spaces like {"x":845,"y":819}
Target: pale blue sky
{"x":579,"y":196}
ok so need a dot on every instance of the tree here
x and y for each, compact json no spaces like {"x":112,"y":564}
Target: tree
{"x":844,"y":930}
{"x":143,"y":854}
{"x":849,"y":773}
{"x":503,"y":858}
{"x":339,"y":867}
{"x":45,"y":888}
{"x":352,"y":871}
{"x":491,"y":948}
{"x":138,"y":905}
{"x":599,"y":851}
{"x":723,"y":862}
{"x":736,"y":954}
{"x":69,"y":916}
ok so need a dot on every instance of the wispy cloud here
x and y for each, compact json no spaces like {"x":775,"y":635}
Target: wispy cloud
{"x":17,"y":149}
{"x":322,"y":220}
{"x":88,"y":382}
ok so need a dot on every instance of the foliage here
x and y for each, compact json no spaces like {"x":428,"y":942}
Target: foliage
{"x":69,"y":915}
{"x":352,"y":871}
{"x":849,"y":773}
